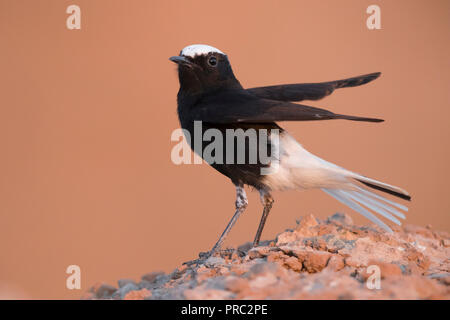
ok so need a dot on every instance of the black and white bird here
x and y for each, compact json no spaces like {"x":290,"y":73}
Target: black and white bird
{"x":209,"y":92}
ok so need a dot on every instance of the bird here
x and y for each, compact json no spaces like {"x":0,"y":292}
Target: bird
{"x":209,"y":93}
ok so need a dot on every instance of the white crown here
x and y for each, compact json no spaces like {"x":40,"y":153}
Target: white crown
{"x":198,"y":49}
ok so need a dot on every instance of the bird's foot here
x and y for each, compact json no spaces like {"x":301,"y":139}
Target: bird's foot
{"x":203,"y":256}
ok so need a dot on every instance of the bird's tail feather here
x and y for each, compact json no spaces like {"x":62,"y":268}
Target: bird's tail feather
{"x":346,"y":186}
{"x":395,"y":191}
{"x":362,"y":201}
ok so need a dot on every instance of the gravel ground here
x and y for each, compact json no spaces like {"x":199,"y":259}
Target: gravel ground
{"x":318,"y":259}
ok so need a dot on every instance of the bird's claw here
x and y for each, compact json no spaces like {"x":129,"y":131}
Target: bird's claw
{"x":203,"y":256}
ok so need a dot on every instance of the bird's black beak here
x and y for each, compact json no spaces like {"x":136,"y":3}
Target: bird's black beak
{"x":181,"y":60}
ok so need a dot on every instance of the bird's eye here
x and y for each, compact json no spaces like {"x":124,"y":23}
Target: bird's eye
{"x":212,"y":61}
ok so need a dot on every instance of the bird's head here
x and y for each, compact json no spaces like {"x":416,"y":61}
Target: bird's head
{"x":202,"y":68}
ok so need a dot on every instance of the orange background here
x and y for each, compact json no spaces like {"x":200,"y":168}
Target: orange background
{"x":86,"y":117}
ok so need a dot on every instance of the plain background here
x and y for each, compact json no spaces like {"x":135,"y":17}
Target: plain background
{"x":86,"y":117}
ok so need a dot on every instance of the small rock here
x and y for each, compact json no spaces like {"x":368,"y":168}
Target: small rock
{"x":207,"y":294}
{"x":245,"y":247}
{"x":306,"y":226}
{"x":213,"y":261}
{"x":239,"y":269}
{"x":152,"y":276}
{"x":236,"y":284}
{"x":307,"y":222}
{"x":326,"y":229}
{"x":316,"y":261}
{"x":204,"y":273}
{"x":417,"y":257}
{"x":88,"y":296}
{"x":258,"y":252}
{"x":263,"y":281}
{"x":286,"y":237}
{"x":336,"y":262}
{"x":122,"y":292}
{"x":254,"y":254}
{"x":138,"y":295}
{"x":386,"y":270}
{"x":104,"y":291}
{"x":300,"y":252}
{"x":123,"y":282}
{"x":276,"y":256}
{"x":316,"y":243}
{"x":340,"y":218}
{"x":294,"y":264}
{"x":445,"y":280}
{"x":427,"y":233}
{"x":262,"y":268}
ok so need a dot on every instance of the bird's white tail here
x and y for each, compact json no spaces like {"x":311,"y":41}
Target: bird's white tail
{"x":300,"y":169}
{"x":366,"y":202}
{"x":378,"y":204}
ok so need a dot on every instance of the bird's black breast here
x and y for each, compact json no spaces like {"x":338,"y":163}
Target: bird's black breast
{"x":240,"y":173}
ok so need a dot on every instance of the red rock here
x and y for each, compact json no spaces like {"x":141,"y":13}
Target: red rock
{"x":204,"y":273}
{"x":419,"y":230}
{"x":239,"y":269}
{"x":386,"y":270}
{"x":88,"y":296}
{"x":138,"y":294}
{"x":306,"y":226}
{"x":103,"y":290}
{"x":276,"y":256}
{"x":286,"y":237}
{"x":316,"y":261}
{"x":236,"y":284}
{"x":293,"y":263}
{"x":300,"y":252}
{"x":258,"y":252}
{"x":151,"y":276}
{"x":326,"y":229}
{"x":206,"y":294}
{"x":414,"y":255}
{"x":336,"y":262}
{"x":340,"y":219}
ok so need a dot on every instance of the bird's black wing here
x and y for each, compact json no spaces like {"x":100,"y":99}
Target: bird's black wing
{"x":309,"y":91}
{"x":240,"y":106}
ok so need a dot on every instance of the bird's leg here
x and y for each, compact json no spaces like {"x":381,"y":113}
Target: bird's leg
{"x":241,"y":204}
{"x":267,"y":202}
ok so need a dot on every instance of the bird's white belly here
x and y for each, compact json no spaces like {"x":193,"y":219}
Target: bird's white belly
{"x":299,"y":169}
